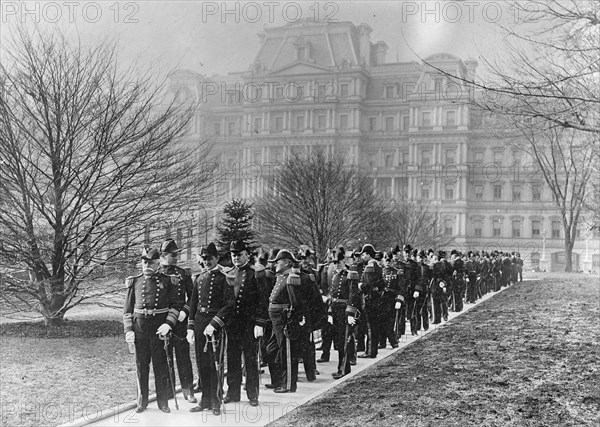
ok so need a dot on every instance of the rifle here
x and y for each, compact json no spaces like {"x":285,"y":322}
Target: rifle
{"x":165,"y":338}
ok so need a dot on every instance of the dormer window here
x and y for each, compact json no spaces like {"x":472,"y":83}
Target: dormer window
{"x":301,"y":54}
{"x":302,"y":49}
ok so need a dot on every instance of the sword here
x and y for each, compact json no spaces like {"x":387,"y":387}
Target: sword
{"x":347,"y":338}
{"x":258,"y":357}
{"x":165,"y":338}
{"x":131,"y":347}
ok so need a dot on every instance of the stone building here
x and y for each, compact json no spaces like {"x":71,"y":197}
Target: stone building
{"x":329,"y":85}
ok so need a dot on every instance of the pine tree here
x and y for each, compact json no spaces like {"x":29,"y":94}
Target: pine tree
{"x":236,"y":224}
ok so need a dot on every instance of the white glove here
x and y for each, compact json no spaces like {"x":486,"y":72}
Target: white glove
{"x":182,"y":316}
{"x":209,"y":330}
{"x":258,"y":331}
{"x":442,"y":285}
{"x":163,"y":329}
{"x":330,"y":319}
{"x":468,"y":279}
{"x":190,"y":336}
{"x":303,"y":321}
{"x":130,"y":336}
{"x":324,"y":298}
{"x":398,"y":305}
{"x":416,"y":294}
{"x":360,"y":286}
{"x":351,"y":320}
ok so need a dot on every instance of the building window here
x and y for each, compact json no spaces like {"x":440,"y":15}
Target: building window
{"x":425,"y":192}
{"x":536,"y":192}
{"x":257,"y":124}
{"x":516,"y":229}
{"x":372,"y":123}
{"x":450,"y":156}
{"x":535,"y":228}
{"x":279,"y":123}
{"x":426,"y":157}
{"x":389,"y":124}
{"x":389,"y":91}
{"x":498,"y":192}
{"x":405,"y":122}
{"x":217,"y":129}
{"x":389,"y":160}
{"x":498,"y":157}
{"x":479,"y":192}
{"x":426,"y":119}
{"x":300,"y":122}
{"x":321,"y":122}
{"x":497,"y":228}
{"x":230,"y":128}
{"x":404,"y":157}
{"x":448,"y":227}
{"x":478,"y":157}
{"x":477,"y":227}
{"x":449,"y":193}
{"x":344,"y":121}
{"x":344,"y":91}
{"x":556,"y":229}
{"x":301,"y":53}
{"x":371,"y":160}
{"x":279,"y":93}
{"x":516,"y":194}
{"x":450,"y":118}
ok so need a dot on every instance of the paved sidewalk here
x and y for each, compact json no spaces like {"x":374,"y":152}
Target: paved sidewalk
{"x":272,"y":406}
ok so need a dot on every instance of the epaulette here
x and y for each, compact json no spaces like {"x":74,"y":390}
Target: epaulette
{"x":312,"y":277}
{"x":224,"y":269}
{"x":352,"y":275}
{"x":369,"y":269}
{"x":294,"y":278}
{"x":130,"y":280}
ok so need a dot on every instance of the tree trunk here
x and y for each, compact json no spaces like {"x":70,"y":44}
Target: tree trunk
{"x":568,"y":253}
{"x":57,"y":320}
{"x":52,"y":310}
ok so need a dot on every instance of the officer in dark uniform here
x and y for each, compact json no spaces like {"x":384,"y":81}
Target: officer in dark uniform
{"x":413,"y":288}
{"x":168,"y":260}
{"x":425,"y":279}
{"x":246,"y":324}
{"x":151,"y":310}
{"x":439,"y":289}
{"x":371,"y":283}
{"x":458,"y":272}
{"x":471,"y":277}
{"x":391,"y":297}
{"x":286,"y":310}
{"x":211,"y":305}
{"x":361,"y":325}
{"x":324,"y":276}
{"x":344,"y":300}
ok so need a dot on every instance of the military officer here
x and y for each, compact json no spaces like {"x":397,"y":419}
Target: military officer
{"x":344,"y":302}
{"x":413,"y":288}
{"x":246,"y":324}
{"x":211,"y":305}
{"x":391,"y":299}
{"x":361,"y":327}
{"x":151,"y":310}
{"x":286,"y":311}
{"x":169,"y":252}
{"x":371,"y":282}
{"x":458,"y":288}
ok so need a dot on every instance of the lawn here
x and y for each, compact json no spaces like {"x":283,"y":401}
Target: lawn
{"x":528,"y":357}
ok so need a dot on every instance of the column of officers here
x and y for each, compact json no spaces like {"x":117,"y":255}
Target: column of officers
{"x":264,"y":310}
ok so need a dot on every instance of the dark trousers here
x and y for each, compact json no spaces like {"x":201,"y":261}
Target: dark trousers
{"x":458,"y":292}
{"x":240,"y":340}
{"x":181,"y":347}
{"x":309,"y":356}
{"x":343,"y":341}
{"x":327,"y":334}
{"x":149,"y":348}
{"x":361,"y":328}
{"x":270,"y":350}
{"x":440,"y":306}
{"x":472,"y":288}
{"x":388,"y":320}
{"x":280,"y":368}
{"x":206,"y":362}
{"x":372,"y":311}
{"x":422,"y":317}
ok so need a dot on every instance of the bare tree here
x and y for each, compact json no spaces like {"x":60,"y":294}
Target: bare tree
{"x":318,"y":201}
{"x":91,"y":152}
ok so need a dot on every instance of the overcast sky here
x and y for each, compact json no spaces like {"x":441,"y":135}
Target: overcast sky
{"x":203,"y":37}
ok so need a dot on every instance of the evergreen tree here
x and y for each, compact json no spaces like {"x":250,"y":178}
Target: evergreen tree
{"x":236,"y":224}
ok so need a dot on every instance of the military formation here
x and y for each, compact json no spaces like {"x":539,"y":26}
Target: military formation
{"x":265,"y":309}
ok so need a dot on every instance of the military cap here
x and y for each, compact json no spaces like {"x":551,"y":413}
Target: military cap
{"x":430,"y":251}
{"x":454,"y":252}
{"x":169,"y":246}
{"x":396,"y":250}
{"x":407,"y":248}
{"x":422,"y":254}
{"x":388,"y":256}
{"x":341,"y":254}
{"x":441,"y":254}
{"x":356,"y":252}
{"x":305,"y":252}
{"x":284,"y":254}
{"x":238,"y":246}
{"x":378,"y":255}
{"x":209,"y":251}
{"x":150,"y":254}
{"x":368,"y":249}
{"x":415,"y":252}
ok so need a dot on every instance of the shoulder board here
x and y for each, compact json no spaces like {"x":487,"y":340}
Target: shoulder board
{"x":352,"y":275}
{"x":130,"y":280}
{"x":293,"y":278}
{"x":369,"y":268}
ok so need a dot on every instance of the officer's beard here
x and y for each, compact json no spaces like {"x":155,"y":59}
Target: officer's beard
{"x":148,"y":272}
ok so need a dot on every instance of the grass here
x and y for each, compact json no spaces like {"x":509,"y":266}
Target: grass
{"x":528,"y":357}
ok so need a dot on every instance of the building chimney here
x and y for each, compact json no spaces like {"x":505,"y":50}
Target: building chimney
{"x":380,"y":52}
{"x":365,"y":44}
{"x":471,"y":65}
